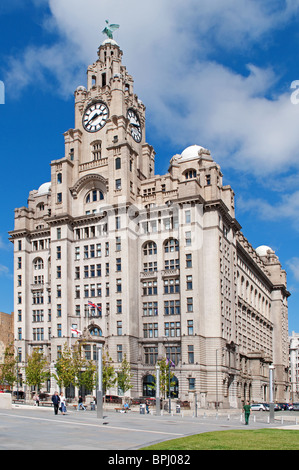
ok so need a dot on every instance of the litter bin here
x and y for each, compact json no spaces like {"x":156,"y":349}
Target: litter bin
{"x":92,"y":406}
{"x":142,"y":408}
{"x":178,"y":408}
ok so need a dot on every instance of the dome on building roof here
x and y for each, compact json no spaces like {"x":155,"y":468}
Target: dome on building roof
{"x":194,"y":151}
{"x":81,"y":88}
{"x":44,"y":189}
{"x":263,"y":250}
{"x":109,"y":41}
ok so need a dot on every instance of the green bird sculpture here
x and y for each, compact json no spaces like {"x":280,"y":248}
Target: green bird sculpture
{"x":109,"y":29}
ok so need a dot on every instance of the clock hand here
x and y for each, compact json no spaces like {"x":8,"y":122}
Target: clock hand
{"x":94,"y":117}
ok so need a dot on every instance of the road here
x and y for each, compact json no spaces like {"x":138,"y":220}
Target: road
{"x":39,"y":429}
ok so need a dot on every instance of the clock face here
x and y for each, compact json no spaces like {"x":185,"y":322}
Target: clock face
{"x":95,"y":116}
{"x":135,"y":125}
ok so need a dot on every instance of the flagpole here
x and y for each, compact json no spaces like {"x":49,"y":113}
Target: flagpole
{"x":100,"y":385}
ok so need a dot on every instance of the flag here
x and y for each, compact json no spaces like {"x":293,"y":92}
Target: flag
{"x":172,"y":364}
{"x":76,"y":332}
{"x":91,"y":304}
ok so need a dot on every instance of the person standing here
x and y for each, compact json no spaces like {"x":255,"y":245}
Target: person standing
{"x":247,"y":410}
{"x":62,"y":403}
{"x":55,"y":400}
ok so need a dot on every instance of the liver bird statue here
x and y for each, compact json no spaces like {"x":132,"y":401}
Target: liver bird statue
{"x":108,"y":30}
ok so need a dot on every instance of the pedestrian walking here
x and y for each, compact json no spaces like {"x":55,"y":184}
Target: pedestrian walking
{"x":80,"y":403}
{"x":247,"y":410}
{"x":55,"y":400}
{"x":36,"y":400}
{"x":62,"y":403}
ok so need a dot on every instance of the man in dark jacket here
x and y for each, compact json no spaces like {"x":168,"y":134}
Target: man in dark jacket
{"x":56,"y":400}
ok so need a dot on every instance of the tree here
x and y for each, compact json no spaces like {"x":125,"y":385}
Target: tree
{"x":125,"y":376}
{"x":65,"y":370}
{"x":37,"y":369}
{"x":164,"y":377}
{"x":84,"y":370}
{"x":8,"y":374}
{"x":108,"y":371}
{"x":88,"y":376}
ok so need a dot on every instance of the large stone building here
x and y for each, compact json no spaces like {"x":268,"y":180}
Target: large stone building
{"x":148,"y":265}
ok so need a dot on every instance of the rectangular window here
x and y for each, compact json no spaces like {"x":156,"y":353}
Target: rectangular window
{"x":188,"y":238}
{"x":119,"y":352}
{"x":189,"y":284}
{"x":190,"y":327}
{"x":119,"y":328}
{"x":118,"y":306}
{"x":191,"y":382}
{"x":151,"y":355}
{"x":191,"y":354}
{"x":118,"y":285}
{"x":189,"y":260}
{"x":172,"y":307}
{"x":118,"y":264}
{"x":189,"y":304}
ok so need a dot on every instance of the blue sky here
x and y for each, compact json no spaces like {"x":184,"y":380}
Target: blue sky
{"x":210,"y":72}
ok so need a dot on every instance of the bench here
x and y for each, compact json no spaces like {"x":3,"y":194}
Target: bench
{"x":122,"y":410}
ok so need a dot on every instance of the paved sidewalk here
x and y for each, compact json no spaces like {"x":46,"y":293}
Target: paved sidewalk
{"x":37,"y":428}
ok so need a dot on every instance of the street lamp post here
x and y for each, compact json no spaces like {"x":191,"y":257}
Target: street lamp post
{"x":169,"y":394}
{"x":17,"y":357}
{"x":158,"y":410}
{"x":100,"y":385}
{"x":217,"y":398}
{"x":271,"y":395}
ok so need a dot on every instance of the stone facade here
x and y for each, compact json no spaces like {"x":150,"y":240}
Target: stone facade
{"x":6,"y":332}
{"x":161,"y":258}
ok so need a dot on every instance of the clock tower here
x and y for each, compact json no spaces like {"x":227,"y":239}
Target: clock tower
{"x":109,"y":134}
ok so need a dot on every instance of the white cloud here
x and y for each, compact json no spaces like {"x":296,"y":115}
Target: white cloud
{"x":191,"y":98}
{"x":293,"y":264}
{"x":286,"y":210}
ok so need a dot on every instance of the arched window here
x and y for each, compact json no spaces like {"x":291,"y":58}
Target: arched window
{"x":149,"y":382}
{"x":150,"y":248}
{"x":171,"y":245}
{"x":190,"y":174}
{"x":94,"y":196}
{"x":38,"y":263}
{"x":95,"y":331}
